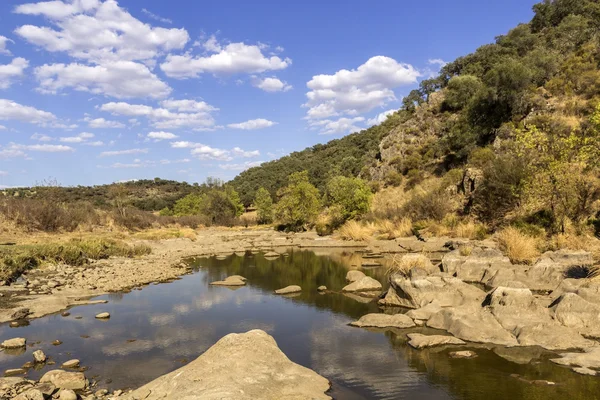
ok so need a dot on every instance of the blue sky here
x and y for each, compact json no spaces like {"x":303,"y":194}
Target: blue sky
{"x":95,"y":91}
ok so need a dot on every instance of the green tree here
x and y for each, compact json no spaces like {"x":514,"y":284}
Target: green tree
{"x":188,"y":205}
{"x":264,"y":206}
{"x":222,"y":205}
{"x":299,"y":204}
{"x":352,"y":195}
{"x":461,"y":90}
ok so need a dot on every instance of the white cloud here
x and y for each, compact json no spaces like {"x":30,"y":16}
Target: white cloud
{"x":97,"y":143}
{"x":81,"y":138}
{"x":156,"y":17}
{"x":205,"y":152}
{"x":120,"y":79}
{"x":240,"y":167}
{"x":181,"y":161}
{"x":271,"y":85}
{"x":2,"y":128}
{"x":9,"y":110}
{"x":437,"y":61}
{"x":41,"y":137}
{"x":45,"y":148}
{"x":341,"y":125}
{"x":232,"y":58}
{"x":252,"y":124}
{"x":157,"y":136}
{"x":123,"y":152}
{"x":103,"y":123}
{"x":9,"y":72}
{"x":3,"y":41}
{"x":164,"y":118}
{"x":97,"y":31}
{"x":356,"y":91}
{"x":11,"y":153}
{"x":381,"y":117}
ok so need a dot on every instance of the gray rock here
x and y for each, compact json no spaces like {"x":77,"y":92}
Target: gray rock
{"x":552,"y":337}
{"x":375,"y":320}
{"x":21,"y":313}
{"x":589,"y":359}
{"x":353,"y":276}
{"x":585,"y":371}
{"x":364,"y":284}
{"x":447,"y":291}
{"x":574,"y":311}
{"x":289,"y":289}
{"x":238,"y":367}
{"x":14,"y":343}
{"x":473,"y":324}
{"x":420,"y":341}
{"x":14,"y":371}
{"x":39,"y":356}
{"x":391,"y":299}
{"x":65,"y":380}
{"x":424,"y":313}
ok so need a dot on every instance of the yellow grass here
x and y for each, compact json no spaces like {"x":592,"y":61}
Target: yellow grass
{"x":571,"y":241}
{"x":391,"y":230}
{"x":402,"y":264}
{"x":465,"y":251}
{"x":353,"y":230}
{"x":518,"y":247}
{"x":166,"y":233}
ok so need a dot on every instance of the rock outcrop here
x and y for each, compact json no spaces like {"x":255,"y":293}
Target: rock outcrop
{"x":420,"y":341}
{"x":238,"y":367}
{"x":365,"y":284}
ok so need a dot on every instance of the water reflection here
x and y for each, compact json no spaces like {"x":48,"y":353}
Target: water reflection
{"x":158,"y":329}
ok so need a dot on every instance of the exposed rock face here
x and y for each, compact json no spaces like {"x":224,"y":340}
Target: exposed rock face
{"x":289,"y":289}
{"x":14,"y":343}
{"x":384,"y":321}
{"x":473,"y":324}
{"x":419,"y":341}
{"x":391,"y":299}
{"x":354,"y":275}
{"x":471,"y":180}
{"x":238,"y":367}
{"x":65,"y":380}
{"x":473,"y":267}
{"x":573,"y":311}
{"x":424,"y":313}
{"x":364,"y":284}
{"x":590,"y":359}
{"x":447,"y":291}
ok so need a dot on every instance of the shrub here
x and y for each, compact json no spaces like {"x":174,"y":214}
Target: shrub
{"x":264,"y":206}
{"x":299,"y":204}
{"x":404,"y":263}
{"x":428,"y":205}
{"x":517,"y":246}
{"x":393,"y":178}
{"x":353,"y":230}
{"x":351,"y":196}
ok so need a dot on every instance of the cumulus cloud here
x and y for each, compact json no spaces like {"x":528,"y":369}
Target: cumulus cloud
{"x":41,"y":137}
{"x":205,"y":152}
{"x":173,"y":115}
{"x":100,"y":123}
{"x":123,"y":152}
{"x":272,"y":84}
{"x":12,"y":71}
{"x":240,"y":167}
{"x":97,"y":143}
{"x":381,"y":117}
{"x":120,"y":79}
{"x":158,"y":136}
{"x":252,"y":124}
{"x":353,"y":92}
{"x":10,"y":110}
{"x":223,"y":59}
{"x":97,"y":31}
{"x":81,"y":138}
{"x":3,"y":41}
{"x":341,"y":125}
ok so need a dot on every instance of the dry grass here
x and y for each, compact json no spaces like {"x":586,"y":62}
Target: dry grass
{"x":353,"y":230}
{"x":518,"y":247}
{"x":465,"y":251}
{"x":571,"y":241}
{"x":167,"y":233}
{"x":402,"y":264}
{"x":391,"y":230}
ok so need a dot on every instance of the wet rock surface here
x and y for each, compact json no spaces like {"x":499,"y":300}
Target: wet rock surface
{"x":384,"y":321}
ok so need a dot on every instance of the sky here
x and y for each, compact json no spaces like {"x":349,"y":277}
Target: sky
{"x":100,"y":91}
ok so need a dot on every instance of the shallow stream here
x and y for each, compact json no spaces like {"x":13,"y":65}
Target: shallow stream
{"x":160,"y":328}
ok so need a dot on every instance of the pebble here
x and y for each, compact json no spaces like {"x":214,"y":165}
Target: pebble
{"x":57,"y":343}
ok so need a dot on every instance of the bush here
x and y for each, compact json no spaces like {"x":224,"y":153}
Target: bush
{"x":391,"y":230}
{"x":432,"y":205}
{"x":350,"y":196}
{"x":264,"y":206}
{"x":518,"y":247}
{"x":299,"y":204}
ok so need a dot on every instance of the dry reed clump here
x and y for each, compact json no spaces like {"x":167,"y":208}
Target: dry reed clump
{"x":518,"y":247}
{"x":391,"y":230}
{"x":353,"y":230}
{"x":402,"y":264}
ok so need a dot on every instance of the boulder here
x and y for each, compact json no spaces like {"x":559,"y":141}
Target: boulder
{"x":234,"y":280}
{"x":376,"y":320}
{"x":475,"y":266}
{"x":238,"y":367}
{"x":473,"y":324}
{"x":551,"y":337}
{"x":65,"y":380}
{"x":289,"y":289}
{"x":424,"y":313}
{"x":31,"y":394}
{"x":391,"y":299}
{"x":14,"y":371}
{"x":420,"y":341}
{"x":365,"y":284}
{"x":14,"y":343}
{"x":322,"y":288}
{"x":103,"y":315}
{"x":39,"y":356}
{"x":574,"y":311}
{"x":570,"y":258}
{"x":447,"y":291}
{"x":67,"y":394}
{"x":354,"y":275}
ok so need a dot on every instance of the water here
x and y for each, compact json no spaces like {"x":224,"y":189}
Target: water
{"x":158,"y":329}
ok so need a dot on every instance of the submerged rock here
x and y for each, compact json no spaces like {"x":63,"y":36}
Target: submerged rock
{"x":463,"y":354}
{"x":376,"y":320}
{"x":238,"y":367}
{"x":289,"y":289}
{"x":364,"y":284}
{"x":420,"y":341}
{"x":234,"y":280}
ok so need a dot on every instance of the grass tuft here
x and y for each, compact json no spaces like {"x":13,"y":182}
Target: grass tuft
{"x":518,"y":247}
{"x":402,"y":264}
{"x":353,"y":230}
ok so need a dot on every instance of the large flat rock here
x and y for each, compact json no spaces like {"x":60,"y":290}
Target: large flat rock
{"x":375,"y":320}
{"x":246,"y":366}
{"x":420,"y":341}
{"x":364,"y":284}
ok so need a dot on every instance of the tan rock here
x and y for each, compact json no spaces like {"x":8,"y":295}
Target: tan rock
{"x":289,"y":289}
{"x":65,"y":380}
{"x":364,"y":284}
{"x":14,"y":343}
{"x":376,"y":320}
{"x":420,"y":341}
